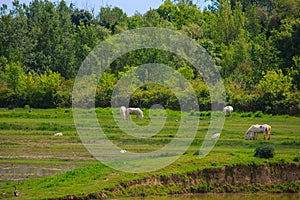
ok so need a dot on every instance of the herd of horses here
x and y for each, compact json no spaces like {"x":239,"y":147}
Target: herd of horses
{"x":251,"y":133}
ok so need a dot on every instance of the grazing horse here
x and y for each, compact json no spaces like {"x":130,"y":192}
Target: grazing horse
{"x":253,"y":131}
{"x":58,"y":134}
{"x":228,"y":110}
{"x":137,"y":111}
{"x":123,"y":112}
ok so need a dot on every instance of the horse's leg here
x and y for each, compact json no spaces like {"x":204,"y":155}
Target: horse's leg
{"x":268,"y":134}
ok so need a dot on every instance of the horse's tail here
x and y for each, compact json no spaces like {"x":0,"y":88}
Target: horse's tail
{"x":268,"y":129}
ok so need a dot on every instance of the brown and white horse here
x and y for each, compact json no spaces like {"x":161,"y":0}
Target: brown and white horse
{"x":253,"y":131}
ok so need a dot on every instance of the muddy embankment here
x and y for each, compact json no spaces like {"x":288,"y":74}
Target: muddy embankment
{"x":236,"y":178}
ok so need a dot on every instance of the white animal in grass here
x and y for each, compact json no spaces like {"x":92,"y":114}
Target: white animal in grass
{"x":253,"y":131}
{"x":123,"y":112}
{"x":123,"y":151}
{"x":137,"y":111}
{"x":228,"y":110}
{"x":58,"y":134}
{"x":216,"y":136}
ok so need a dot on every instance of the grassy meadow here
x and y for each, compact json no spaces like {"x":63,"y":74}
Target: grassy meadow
{"x":44,"y":166}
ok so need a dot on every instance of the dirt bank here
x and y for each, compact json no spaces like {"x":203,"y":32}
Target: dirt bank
{"x":235,"y":178}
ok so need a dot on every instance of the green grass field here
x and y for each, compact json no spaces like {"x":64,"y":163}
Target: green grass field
{"x":44,"y":166}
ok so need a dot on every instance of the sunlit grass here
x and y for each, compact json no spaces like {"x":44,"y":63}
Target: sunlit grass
{"x":28,"y":139}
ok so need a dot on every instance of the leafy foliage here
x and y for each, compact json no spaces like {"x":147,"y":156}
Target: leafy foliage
{"x":264,"y":151}
{"x":255,"y":45}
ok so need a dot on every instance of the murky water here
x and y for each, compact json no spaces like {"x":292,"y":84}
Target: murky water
{"x":21,"y":171}
{"x":258,"y":196}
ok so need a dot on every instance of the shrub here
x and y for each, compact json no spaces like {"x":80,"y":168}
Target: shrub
{"x":193,"y":113}
{"x":296,"y":159}
{"x":258,"y":114}
{"x":27,"y":107}
{"x":246,"y":114}
{"x":264,"y":151}
{"x":205,"y":114}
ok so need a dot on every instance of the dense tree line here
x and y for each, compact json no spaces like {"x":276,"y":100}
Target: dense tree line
{"x":255,"y":44}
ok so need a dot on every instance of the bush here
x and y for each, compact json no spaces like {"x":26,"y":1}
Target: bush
{"x":246,"y":114}
{"x":265,"y":151}
{"x":296,"y":159}
{"x":258,"y":114}
{"x":205,"y":114}
{"x":27,"y":107}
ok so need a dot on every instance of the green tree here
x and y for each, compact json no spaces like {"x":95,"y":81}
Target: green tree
{"x":179,"y":14}
{"x":105,"y":89}
{"x":50,"y":32}
{"x":12,"y":85}
{"x":224,"y":25}
{"x":187,"y":72}
{"x":43,"y":91}
{"x":230,"y":23}
{"x":111,"y":17}
{"x":86,"y":38}
{"x":252,"y":22}
{"x":275,"y":91}
{"x":287,"y":41}
{"x":14,"y":40}
{"x":81,"y":16}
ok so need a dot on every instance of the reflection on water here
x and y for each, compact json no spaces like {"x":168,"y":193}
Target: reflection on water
{"x":257,"y":196}
{"x":23,"y":171}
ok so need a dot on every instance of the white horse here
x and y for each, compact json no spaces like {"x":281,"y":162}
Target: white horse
{"x":216,"y":136}
{"x":253,"y":131}
{"x":123,"y":112}
{"x":58,"y":134}
{"x":123,"y":151}
{"x":228,"y":110}
{"x":137,"y":111}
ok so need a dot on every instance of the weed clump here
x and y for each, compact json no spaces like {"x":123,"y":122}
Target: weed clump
{"x":264,"y":151}
{"x":296,"y":159}
{"x":246,"y":114}
{"x":27,"y":107}
{"x":258,"y":114}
